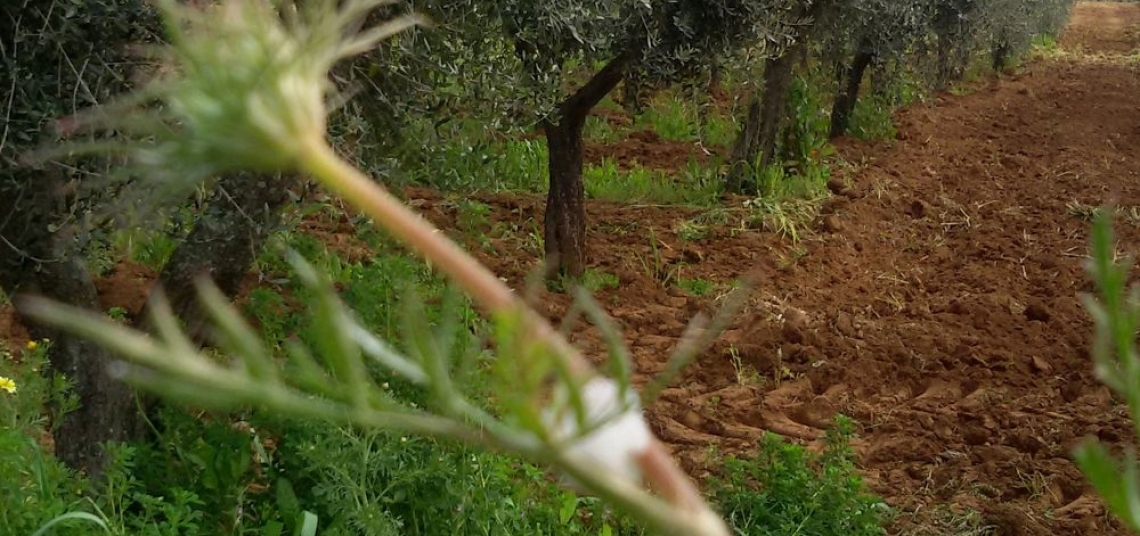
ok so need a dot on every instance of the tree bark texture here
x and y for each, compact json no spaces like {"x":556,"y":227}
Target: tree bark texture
{"x":746,"y":146}
{"x":951,"y":41}
{"x":755,"y":146}
{"x":222,"y":245}
{"x":851,"y":78}
{"x":565,"y":220}
{"x":767,"y":118}
{"x":1000,"y":53}
{"x":41,"y":238}
{"x":41,"y":262}
{"x":225,"y":241}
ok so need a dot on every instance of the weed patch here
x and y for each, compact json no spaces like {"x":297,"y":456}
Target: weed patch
{"x":785,"y":489}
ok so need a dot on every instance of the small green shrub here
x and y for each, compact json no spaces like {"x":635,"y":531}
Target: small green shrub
{"x":719,"y":130}
{"x":810,"y":127}
{"x":696,"y":286}
{"x":690,"y":230}
{"x":672,"y":118}
{"x":378,"y":483}
{"x":599,"y":129}
{"x":471,"y":163}
{"x":35,"y":487}
{"x":872,"y":119}
{"x":787,"y":490}
{"x":472,"y":215}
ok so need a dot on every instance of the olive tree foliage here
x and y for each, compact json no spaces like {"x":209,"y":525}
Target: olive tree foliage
{"x":894,"y":36}
{"x":545,"y":65}
{"x":58,"y":216}
{"x":1001,"y":29}
{"x":952,"y":42}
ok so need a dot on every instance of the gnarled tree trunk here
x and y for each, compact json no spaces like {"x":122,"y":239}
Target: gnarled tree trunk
{"x":225,"y":241}
{"x":850,"y":79}
{"x":755,"y":146}
{"x":222,"y":245}
{"x":565,"y":221}
{"x":39,"y":252}
{"x":767,"y":117}
{"x":41,"y":262}
{"x":1000,"y":52}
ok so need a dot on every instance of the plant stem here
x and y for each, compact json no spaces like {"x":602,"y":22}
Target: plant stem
{"x":318,"y":159}
{"x":369,"y":196}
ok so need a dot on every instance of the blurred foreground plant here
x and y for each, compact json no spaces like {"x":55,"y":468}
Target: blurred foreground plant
{"x":1116,"y":313}
{"x":244,"y":87}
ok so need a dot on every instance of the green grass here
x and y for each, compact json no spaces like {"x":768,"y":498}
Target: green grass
{"x":599,"y":129}
{"x":596,"y":280}
{"x":459,"y":165}
{"x":788,"y":217}
{"x":676,"y":116}
{"x":671,"y":117}
{"x":696,"y":185}
{"x":250,"y":473}
{"x":719,"y":131}
{"x":695,"y":285}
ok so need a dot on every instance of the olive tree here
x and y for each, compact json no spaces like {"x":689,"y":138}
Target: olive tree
{"x":55,"y":216}
{"x":866,"y":32}
{"x":954,"y":36}
{"x":1009,"y":26}
{"x":1001,"y":29}
{"x":546,"y":65}
{"x":878,"y":32}
{"x":755,"y":147}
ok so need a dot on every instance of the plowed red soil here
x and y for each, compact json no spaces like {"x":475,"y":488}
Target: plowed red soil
{"x":936,"y":303}
{"x":937,"y":306}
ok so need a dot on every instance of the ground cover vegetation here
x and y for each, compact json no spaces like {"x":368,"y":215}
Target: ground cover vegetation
{"x":564,"y":98}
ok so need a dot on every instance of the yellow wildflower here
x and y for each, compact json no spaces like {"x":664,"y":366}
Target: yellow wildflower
{"x":7,"y":384}
{"x":32,"y":345}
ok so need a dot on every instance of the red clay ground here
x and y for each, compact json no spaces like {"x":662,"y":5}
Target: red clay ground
{"x":936,"y":304}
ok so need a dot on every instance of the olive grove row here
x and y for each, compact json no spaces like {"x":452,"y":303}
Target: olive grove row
{"x":546,"y":65}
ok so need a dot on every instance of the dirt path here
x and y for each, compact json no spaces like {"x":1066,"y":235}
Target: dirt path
{"x":1103,"y":27}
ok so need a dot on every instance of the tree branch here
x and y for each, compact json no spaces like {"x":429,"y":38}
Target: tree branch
{"x":577,"y":105}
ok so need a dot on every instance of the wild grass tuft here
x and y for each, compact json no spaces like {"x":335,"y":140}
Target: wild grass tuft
{"x":696,"y":185}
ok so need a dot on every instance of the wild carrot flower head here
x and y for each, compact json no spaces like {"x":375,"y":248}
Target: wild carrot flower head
{"x":243,"y":85}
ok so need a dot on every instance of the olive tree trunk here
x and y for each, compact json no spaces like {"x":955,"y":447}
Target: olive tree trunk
{"x":565,"y":222}
{"x":224,"y":243}
{"x":767,"y":118}
{"x":41,"y":243}
{"x":41,"y":262}
{"x":850,"y":79}
{"x":755,"y":145}
{"x":1000,"y":52}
